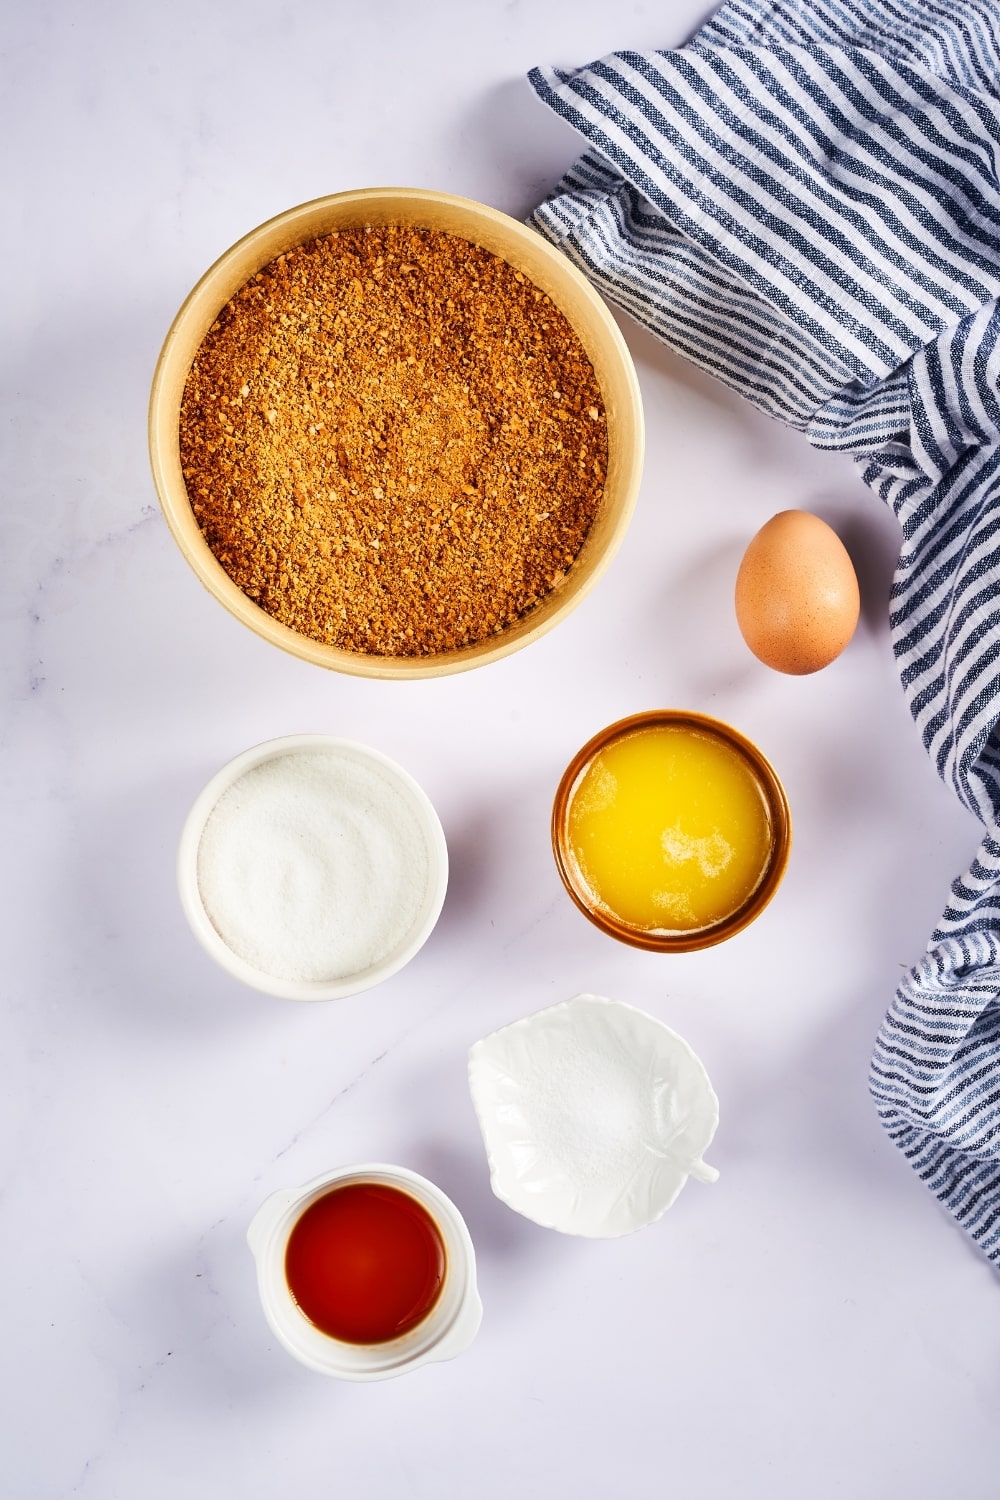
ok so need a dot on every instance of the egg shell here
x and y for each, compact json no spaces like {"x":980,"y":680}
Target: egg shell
{"x":797,"y":598}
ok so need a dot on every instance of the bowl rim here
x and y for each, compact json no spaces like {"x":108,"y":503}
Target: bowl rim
{"x":691,"y":939}
{"x":212,"y":941}
{"x":298,"y":225}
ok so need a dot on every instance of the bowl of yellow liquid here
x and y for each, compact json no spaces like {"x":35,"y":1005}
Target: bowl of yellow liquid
{"x":671,"y":831}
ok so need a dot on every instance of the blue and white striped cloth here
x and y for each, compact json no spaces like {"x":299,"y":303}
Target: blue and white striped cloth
{"x":805,"y":201}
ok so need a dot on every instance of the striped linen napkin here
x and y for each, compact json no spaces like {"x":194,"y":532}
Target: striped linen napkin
{"x":804,"y":201}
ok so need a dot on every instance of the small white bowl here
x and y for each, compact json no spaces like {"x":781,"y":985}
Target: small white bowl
{"x":593,"y":1114}
{"x":409,"y":835}
{"x":448,"y":1329}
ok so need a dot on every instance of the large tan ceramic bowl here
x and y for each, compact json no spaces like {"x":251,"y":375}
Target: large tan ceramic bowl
{"x":528,"y":253}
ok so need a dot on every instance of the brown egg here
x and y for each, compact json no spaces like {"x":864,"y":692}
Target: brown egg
{"x":797,"y":599}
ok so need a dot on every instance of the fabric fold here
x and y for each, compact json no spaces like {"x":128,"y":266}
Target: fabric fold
{"x":805,"y":202}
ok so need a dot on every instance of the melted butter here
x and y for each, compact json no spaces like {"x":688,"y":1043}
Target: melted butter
{"x":669,"y":829}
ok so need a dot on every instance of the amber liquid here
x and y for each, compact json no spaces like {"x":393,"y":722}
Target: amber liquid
{"x":365,"y":1263}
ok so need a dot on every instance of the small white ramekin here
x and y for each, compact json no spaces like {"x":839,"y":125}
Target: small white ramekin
{"x":409,"y":942}
{"x":447,"y":1330}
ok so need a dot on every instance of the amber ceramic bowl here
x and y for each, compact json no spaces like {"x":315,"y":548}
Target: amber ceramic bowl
{"x":536,"y":259}
{"x":592,"y":780}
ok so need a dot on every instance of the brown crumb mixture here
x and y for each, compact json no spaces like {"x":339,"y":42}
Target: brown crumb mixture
{"x":393,"y":442}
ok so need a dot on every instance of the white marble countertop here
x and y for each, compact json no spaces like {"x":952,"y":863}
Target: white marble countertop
{"x":814,"y":1324}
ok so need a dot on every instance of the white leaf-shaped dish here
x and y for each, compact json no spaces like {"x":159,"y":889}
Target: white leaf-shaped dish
{"x":594,"y":1114}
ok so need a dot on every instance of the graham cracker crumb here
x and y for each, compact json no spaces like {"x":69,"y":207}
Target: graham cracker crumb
{"x":393,"y":442}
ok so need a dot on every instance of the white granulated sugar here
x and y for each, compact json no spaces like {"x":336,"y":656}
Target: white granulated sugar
{"x":314,"y":866}
{"x":592,"y":1111}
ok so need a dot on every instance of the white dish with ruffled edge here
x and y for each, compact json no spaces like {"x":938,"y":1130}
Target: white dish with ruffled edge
{"x":594,"y":1114}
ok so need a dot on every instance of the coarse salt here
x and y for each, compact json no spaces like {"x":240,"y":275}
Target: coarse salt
{"x":314,"y":865}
